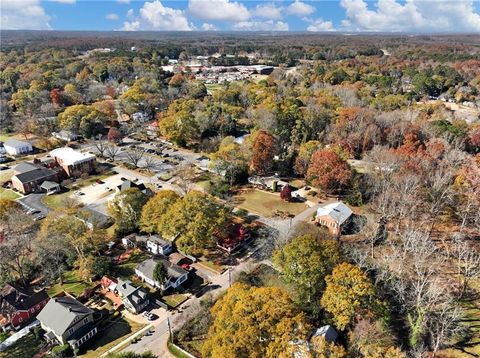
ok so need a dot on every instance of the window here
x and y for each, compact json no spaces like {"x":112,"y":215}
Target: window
{"x":70,"y":331}
{"x":85,"y":320}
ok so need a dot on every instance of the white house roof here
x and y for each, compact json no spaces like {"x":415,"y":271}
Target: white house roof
{"x":68,"y":156}
{"x":15,"y":143}
{"x":337,"y":211}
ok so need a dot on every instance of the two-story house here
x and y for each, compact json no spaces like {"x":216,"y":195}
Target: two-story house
{"x":135,"y":299}
{"x":19,"y":305}
{"x":158,"y":246}
{"x":175,"y":274}
{"x":67,"y":321}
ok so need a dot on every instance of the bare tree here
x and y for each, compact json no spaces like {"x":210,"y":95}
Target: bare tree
{"x":443,"y":324}
{"x":149,"y":163}
{"x":134,"y":156}
{"x":184,"y":175}
{"x":467,"y":259}
{"x":111,"y":151}
{"x":101,"y":146}
{"x":17,"y":229}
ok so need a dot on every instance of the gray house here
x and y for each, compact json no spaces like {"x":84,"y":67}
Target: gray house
{"x":134,"y":298}
{"x":67,"y":321}
{"x":175,"y":274}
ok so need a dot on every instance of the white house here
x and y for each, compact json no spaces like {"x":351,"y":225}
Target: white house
{"x":158,"y":246}
{"x":175,"y":274}
{"x":17,"y":147}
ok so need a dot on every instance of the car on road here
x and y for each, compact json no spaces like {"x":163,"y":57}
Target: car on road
{"x":3,"y":167}
{"x":98,"y":181}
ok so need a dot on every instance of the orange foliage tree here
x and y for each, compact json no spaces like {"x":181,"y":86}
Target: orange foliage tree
{"x":263,"y":152}
{"x":328,"y":171}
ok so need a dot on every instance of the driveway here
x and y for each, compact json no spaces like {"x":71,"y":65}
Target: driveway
{"x":34,"y":201}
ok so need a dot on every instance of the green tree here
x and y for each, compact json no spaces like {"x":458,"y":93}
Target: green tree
{"x":82,"y":119}
{"x":304,"y":262}
{"x":160,"y":273}
{"x":254,"y":322}
{"x":230,"y":159}
{"x":348,"y":290}
{"x":178,"y":123}
{"x":126,"y":209}
{"x":155,"y":208}
{"x":194,"y":220}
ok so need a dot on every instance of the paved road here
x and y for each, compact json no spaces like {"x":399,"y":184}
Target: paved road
{"x":34,"y":201}
{"x":277,"y":230}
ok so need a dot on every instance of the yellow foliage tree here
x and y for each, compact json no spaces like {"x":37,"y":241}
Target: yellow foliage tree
{"x":254,"y":322}
{"x":348,"y":290}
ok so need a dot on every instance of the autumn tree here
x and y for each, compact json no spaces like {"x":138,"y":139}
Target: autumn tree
{"x":328,"y":171}
{"x":114,"y":135}
{"x":82,"y":119}
{"x":321,"y":348}
{"x":348,"y":290}
{"x":178,"y":123}
{"x":304,"y":262}
{"x":286,"y":193}
{"x":126,"y":208}
{"x":193,"y":220}
{"x":254,"y":322}
{"x":304,"y":155}
{"x":263,"y":152}
{"x":230,"y":159}
{"x":155,"y":208}
{"x":16,"y":231}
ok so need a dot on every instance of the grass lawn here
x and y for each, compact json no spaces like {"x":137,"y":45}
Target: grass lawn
{"x":193,"y":347}
{"x":28,"y":346}
{"x":5,"y":175}
{"x":56,"y":201}
{"x":118,"y":330}
{"x":71,"y":284}
{"x":8,"y":194}
{"x":265,"y":203}
{"x":175,"y":300}
{"x":126,"y":269}
{"x":175,"y":351}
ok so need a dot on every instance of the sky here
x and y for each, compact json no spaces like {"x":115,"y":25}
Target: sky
{"x":420,"y":16}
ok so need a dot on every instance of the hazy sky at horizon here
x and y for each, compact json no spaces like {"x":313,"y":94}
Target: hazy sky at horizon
{"x":211,"y":15}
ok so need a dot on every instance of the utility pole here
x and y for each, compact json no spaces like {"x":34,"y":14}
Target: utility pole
{"x":229,"y":277}
{"x":170,"y":329}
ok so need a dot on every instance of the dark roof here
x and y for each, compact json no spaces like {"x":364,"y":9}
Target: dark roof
{"x":79,"y":333}
{"x":128,"y":184}
{"x":60,"y":313}
{"x":34,"y":175}
{"x":135,"y":295}
{"x":25,"y":167}
{"x":21,"y":298}
{"x":173,"y":271}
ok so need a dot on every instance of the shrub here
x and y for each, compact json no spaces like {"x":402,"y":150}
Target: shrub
{"x":61,"y":351}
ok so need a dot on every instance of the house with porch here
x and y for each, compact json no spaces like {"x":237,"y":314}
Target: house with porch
{"x":135,"y":299}
{"x":67,"y":321}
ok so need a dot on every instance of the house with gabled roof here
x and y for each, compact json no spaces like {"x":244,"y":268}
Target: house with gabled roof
{"x":334,"y":216}
{"x":67,"y":321}
{"x":135,"y":299}
{"x":175,"y":274}
{"x":19,"y":305}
